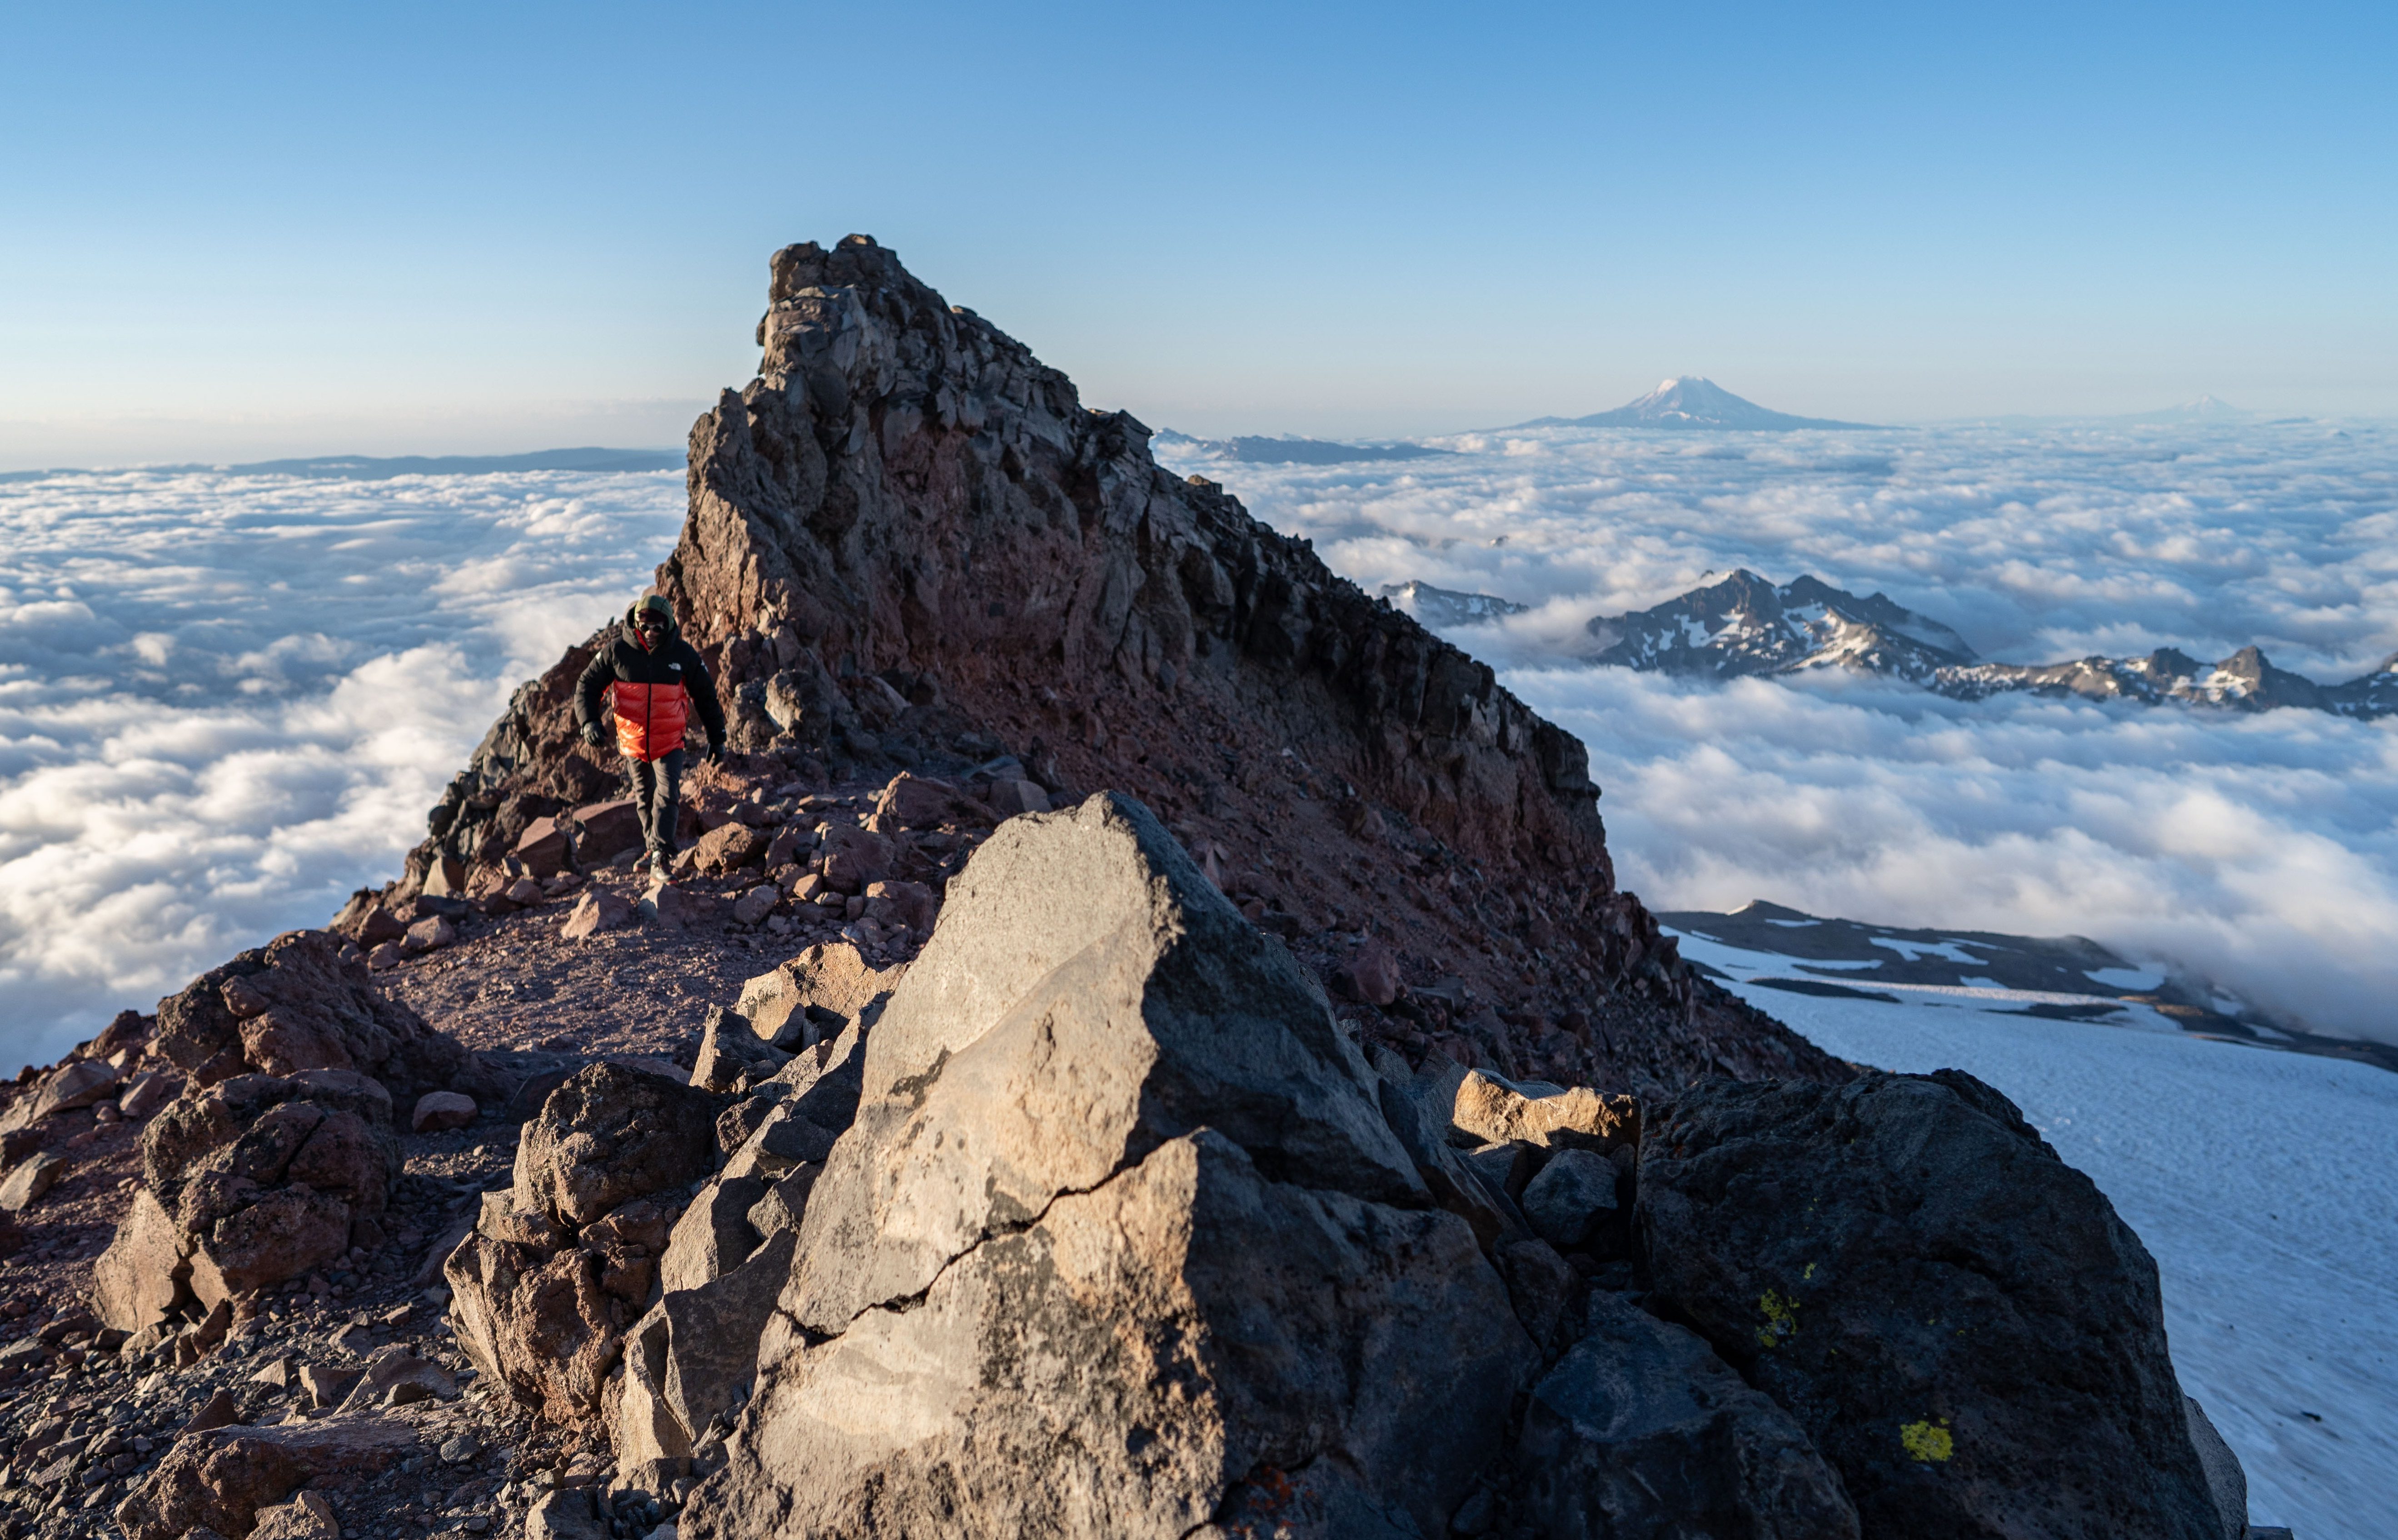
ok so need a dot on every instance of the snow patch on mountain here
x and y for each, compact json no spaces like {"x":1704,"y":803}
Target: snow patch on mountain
{"x":1744,"y":625}
{"x":1445,"y":607}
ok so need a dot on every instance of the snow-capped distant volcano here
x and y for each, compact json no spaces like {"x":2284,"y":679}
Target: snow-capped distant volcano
{"x":2205,"y":412}
{"x":1691,"y":402}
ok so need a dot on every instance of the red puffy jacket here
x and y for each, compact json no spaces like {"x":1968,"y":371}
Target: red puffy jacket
{"x":650,"y":718}
{"x":651,"y":694}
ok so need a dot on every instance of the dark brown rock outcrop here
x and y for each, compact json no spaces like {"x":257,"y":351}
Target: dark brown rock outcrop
{"x":564,"y":1260}
{"x":1955,"y":1317}
{"x":281,"y":1151}
{"x":300,"y":1003}
{"x":908,"y":540}
{"x":249,"y":1181}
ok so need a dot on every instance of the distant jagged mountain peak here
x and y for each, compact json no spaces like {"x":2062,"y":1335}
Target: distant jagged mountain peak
{"x":1744,"y":625}
{"x":1692,"y":401}
{"x":2247,"y":681}
{"x":1439,"y":608}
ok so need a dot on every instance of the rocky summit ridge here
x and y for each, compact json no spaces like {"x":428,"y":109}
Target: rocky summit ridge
{"x":1146,"y":1041}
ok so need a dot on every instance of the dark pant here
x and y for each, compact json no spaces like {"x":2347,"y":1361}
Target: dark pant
{"x":657,"y":792}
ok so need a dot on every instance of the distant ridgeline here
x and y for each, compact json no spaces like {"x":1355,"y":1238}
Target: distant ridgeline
{"x":1744,"y":626}
{"x":2062,"y":977}
{"x":1285,"y":451}
{"x":370,"y":468}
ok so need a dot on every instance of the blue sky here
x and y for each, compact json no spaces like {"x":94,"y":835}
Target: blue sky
{"x":249,"y":230}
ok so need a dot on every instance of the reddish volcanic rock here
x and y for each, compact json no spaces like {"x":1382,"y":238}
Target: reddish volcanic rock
{"x":305,"y":1003}
{"x":911,"y":547}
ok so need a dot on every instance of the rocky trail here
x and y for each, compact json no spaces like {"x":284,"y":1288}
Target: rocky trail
{"x":1143,"y":1040}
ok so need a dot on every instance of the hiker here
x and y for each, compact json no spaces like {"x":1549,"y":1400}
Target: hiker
{"x":650,"y":680}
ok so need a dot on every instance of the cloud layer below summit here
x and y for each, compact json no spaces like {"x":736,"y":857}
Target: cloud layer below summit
{"x":2260,"y":852}
{"x":226,"y":701}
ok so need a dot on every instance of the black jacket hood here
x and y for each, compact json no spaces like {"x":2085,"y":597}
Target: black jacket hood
{"x":633,"y":630}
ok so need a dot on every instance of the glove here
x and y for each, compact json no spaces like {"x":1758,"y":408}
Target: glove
{"x":594,"y":735}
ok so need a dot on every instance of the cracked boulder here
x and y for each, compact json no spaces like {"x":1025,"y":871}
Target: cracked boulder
{"x":1119,"y":1227}
{"x":1954,"y":1317}
{"x":249,"y":1183}
{"x":560,"y":1264}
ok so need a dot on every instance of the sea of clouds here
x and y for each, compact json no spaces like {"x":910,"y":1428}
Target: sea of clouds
{"x":2257,"y":852}
{"x":226,"y":701}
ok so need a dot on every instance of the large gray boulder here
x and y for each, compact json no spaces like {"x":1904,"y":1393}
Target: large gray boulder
{"x":1118,"y":1226}
{"x":1088,"y":996}
{"x":1641,"y":1430}
{"x":1119,"y":1365}
{"x":1957,"y":1319}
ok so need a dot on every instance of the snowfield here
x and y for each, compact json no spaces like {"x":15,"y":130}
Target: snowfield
{"x":2265,"y":1185}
